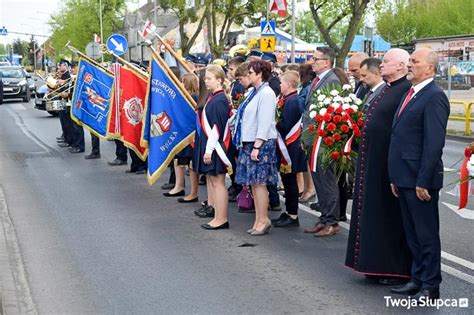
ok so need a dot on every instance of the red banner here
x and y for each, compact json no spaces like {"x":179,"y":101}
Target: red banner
{"x":125,"y":122}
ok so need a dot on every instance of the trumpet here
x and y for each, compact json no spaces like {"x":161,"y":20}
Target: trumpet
{"x":53,"y":84}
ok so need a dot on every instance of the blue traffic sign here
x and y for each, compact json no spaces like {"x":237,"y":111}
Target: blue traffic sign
{"x":267,"y":28}
{"x":3,"y":31}
{"x":117,"y":44}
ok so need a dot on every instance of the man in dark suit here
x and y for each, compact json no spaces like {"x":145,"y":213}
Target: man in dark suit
{"x":416,"y":171}
{"x":371,"y":78}
{"x":324,"y":180}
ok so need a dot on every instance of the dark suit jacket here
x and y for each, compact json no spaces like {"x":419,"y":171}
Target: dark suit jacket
{"x":330,"y":79}
{"x":417,"y":141}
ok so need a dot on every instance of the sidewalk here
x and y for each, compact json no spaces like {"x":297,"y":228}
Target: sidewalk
{"x":15,"y":297}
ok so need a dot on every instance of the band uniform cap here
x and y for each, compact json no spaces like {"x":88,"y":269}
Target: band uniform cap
{"x":255,"y":53}
{"x":268,"y":56}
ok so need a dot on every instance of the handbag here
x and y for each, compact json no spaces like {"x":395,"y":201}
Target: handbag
{"x":245,"y":199}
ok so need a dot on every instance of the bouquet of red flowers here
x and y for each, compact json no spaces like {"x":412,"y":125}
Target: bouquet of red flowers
{"x":336,"y":122}
{"x":239,"y":98}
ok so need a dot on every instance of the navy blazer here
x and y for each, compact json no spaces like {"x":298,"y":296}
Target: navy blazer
{"x":417,"y":140}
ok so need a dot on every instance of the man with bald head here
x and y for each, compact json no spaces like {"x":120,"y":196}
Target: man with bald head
{"x":354,"y":69}
{"x":377,"y":245}
{"x":416,"y":171}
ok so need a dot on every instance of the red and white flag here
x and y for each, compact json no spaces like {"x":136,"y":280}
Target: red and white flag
{"x":148,"y":29}
{"x":125,"y":122}
{"x":96,"y":38}
{"x":278,"y":6}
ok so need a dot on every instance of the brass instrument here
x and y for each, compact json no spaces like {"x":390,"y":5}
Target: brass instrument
{"x":53,"y":84}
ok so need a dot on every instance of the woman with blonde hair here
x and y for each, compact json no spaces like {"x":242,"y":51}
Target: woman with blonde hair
{"x":211,"y":144}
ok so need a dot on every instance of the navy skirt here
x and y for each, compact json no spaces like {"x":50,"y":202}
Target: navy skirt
{"x":262,"y":172}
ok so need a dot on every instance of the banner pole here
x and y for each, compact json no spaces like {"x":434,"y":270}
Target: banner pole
{"x":171,"y":74}
{"x":82,"y":55}
{"x":175,"y":55}
{"x":129,"y":65}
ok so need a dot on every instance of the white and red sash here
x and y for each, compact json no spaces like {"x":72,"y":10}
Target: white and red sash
{"x":293,"y":135}
{"x":213,"y":135}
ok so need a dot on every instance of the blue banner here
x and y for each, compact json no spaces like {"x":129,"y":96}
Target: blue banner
{"x":92,"y":97}
{"x":170,"y":121}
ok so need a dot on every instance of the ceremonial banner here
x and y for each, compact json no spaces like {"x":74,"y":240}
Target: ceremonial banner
{"x":92,"y":98}
{"x":128,"y":108}
{"x":170,"y":121}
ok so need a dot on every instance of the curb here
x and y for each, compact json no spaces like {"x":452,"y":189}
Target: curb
{"x":15,"y":292}
{"x":459,"y":138}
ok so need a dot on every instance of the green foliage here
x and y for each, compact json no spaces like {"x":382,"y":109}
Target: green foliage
{"x":402,"y":21}
{"x":21,"y":47}
{"x":307,"y":30}
{"x":79,"y":20}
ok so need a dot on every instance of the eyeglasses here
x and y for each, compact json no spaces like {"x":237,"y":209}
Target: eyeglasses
{"x":317,"y":59}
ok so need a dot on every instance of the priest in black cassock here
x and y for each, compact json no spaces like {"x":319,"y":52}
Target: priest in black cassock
{"x":377,"y":245}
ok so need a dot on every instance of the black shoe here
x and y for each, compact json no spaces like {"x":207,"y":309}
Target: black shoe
{"x":167,"y":186}
{"x":287,"y":222}
{"x":60,"y":138}
{"x":76,"y":150}
{"x":342,"y":218}
{"x":140,"y":172}
{"x":315,"y":206}
{"x":274,"y":208}
{"x":233,"y":197}
{"x":202,"y":180}
{"x":219,"y":227}
{"x":392,"y":281}
{"x":231,"y":191}
{"x":117,"y":162}
{"x":63,"y":144}
{"x":408,"y":289}
{"x":281,"y":217}
{"x":92,"y":156}
{"x":427,"y":294}
{"x":130,"y":171}
{"x":182,"y":200}
{"x":178,"y":194}
{"x":207,"y":212}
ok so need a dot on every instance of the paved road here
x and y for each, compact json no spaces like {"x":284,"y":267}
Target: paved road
{"x":94,"y":239}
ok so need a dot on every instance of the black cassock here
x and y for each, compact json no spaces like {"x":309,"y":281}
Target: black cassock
{"x":377,"y":243}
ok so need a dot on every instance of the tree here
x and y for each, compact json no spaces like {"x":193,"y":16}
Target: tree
{"x":405,"y":20}
{"x":79,"y":20}
{"x":328,"y":14}
{"x":20,"y":47}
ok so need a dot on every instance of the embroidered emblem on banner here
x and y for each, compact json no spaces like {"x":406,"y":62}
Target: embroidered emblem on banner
{"x":133,"y":109}
{"x":160,"y":123}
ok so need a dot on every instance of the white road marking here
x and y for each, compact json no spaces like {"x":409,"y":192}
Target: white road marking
{"x":452,"y":258}
{"x":463,"y":213}
{"x":25,"y":130}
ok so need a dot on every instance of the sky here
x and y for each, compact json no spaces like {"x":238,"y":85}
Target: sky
{"x":32,"y":16}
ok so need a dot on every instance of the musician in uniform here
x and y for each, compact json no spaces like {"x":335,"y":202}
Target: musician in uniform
{"x":63,"y":76}
{"x":77,"y":145}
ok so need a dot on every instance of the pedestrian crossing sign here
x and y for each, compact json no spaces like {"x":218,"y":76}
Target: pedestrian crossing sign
{"x":267,"y":43}
{"x":267,"y":28}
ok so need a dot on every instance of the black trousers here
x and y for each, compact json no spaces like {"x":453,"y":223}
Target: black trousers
{"x":343,"y":194}
{"x":137,"y":164}
{"x":233,"y":154}
{"x":325,"y":182}
{"x":120,"y":150}
{"x":421,"y":224}
{"x":78,"y":136}
{"x":273,"y":196}
{"x":95,"y":141}
{"x":66,"y":126}
{"x":291,"y":192}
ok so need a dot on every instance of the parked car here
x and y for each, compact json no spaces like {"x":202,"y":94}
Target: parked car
{"x":5,"y":63}
{"x":15,"y":83}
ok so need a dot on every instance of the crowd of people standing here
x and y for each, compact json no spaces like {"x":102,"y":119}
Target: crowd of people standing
{"x":252,"y":109}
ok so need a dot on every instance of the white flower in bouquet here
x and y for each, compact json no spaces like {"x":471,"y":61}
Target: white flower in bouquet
{"x":322,"y":111}
{"x":335,"y":105}
{"x":347,"y":87}
{"x":334,"y":92}
{"x":312,"y":114}
{"x":358,"y":101}
{"x":312,"y":106}
{"x":321,"y":97}
{"x":346,"y":106}
{"x":337,"y":99}
{"x":355,"y":108}
{"x":318,"y":92}
{"x":470,"y":166}
{"x":327,"y":101}
{"x":353,"y":96}
{"x":347,"y":99}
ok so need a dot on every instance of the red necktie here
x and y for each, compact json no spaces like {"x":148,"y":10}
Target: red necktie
{"x":407,"y":99}
{"x":313,"y":86}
